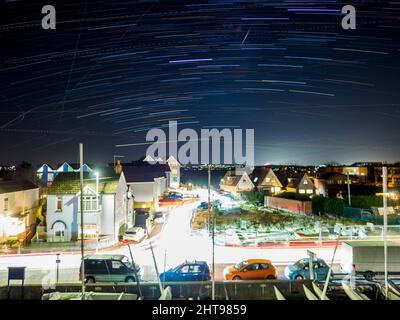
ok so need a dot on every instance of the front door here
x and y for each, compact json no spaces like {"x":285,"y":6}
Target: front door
{"x":59,"y":232}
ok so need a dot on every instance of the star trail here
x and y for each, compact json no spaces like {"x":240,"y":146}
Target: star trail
{"x":112,"y":70}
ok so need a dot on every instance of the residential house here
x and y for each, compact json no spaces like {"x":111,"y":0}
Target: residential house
{"x":331,"y":183}
{"x":236,"y":183}
{"x":19,"y":201}
{"x":174,"y":175}
{"x":265,"y":180}
{"x":146,"y":183}
{"x":301,"y":183}
{"x":105,"y":203}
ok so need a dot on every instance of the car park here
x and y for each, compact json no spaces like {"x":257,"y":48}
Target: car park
{"x":187,"y":271}
{"x":252,"y":269}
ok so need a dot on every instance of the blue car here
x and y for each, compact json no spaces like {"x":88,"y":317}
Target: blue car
{"x":187,"y":271}
{"x":300,"y":270}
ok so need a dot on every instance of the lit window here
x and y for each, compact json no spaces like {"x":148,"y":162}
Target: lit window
{"x":59,"y":203}
{"x":6,"y":204}
{"x":305,"y":182}
{"x":89,"y":203}
{"x":302,"y":191}
{"x":309,"y":191}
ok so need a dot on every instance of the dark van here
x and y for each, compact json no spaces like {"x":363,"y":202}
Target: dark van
{"x":109,"y":268}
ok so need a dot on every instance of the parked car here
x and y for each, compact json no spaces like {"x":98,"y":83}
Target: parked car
{"x":252,"y":269}
{"x":203,"y":205}
{"x":136,"y":234}
{"x":174,"y":196}
{"x":109,"y":268}
{"x":159,"y":217}
{"x":301,"y":270}
{"x":187,"y":271}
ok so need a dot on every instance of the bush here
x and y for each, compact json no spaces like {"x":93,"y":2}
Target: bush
{"x":366,"y":202}
{"x":327,"y":205}
{"x":254,"y":197}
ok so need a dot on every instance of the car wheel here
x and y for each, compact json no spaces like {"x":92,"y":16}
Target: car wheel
{"x":129,"y":279}
{"x":299,"y":277}
{"x":236,"y":278}
{"x":270,"y":277}
{"x":90,"y":280}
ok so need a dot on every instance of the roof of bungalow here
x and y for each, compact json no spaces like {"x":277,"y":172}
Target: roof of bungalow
{"x":230,"y":178}
{"x":259,"y":173}
{"x":8,"y":186}
{"x":69,"y":182}
{"x":295,"y":181}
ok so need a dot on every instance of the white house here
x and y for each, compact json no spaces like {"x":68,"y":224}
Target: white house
{"x":105,"y":206}
{"x":172,"y":173}
{"x":174,"y":176}
{"x":146,"y":183}
{"x":19,"y":201}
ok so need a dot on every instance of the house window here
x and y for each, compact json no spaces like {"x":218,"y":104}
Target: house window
{"x":305,"y":182}
{"x":89,"y":203}
{"x":59,"y":203}
{"x":302,"y":191}
{"x":6,"y":204}
{"x":309,"y":191}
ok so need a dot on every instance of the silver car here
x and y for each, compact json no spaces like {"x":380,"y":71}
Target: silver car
{"x":109,"y":268}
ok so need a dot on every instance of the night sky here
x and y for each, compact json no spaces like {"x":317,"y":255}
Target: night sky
{"x":111,"y":70}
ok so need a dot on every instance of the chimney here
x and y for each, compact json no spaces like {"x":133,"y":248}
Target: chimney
{"x":118,"y":167}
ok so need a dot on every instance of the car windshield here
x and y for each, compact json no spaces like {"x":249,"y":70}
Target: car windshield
{"x":301,"y":263}
{"x":240,"y":265}
{"x":126,"y":262}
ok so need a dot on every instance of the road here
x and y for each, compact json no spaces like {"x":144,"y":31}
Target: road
{"x":173,"y":245}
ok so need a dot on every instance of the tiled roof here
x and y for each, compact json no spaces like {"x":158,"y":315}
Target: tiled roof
{"x":144,"y":172}
{"x":69,"y":182}
{"x":230,"y":179}
{"x":7,"y":186}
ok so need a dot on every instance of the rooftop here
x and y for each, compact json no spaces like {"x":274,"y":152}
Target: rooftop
{"x":8,"y":186}
{"x":69,"y":182}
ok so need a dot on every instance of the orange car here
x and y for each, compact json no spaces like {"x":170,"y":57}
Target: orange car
{"x":252,"y":269}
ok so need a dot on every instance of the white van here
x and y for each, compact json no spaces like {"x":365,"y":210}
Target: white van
{"x":367,"y":257}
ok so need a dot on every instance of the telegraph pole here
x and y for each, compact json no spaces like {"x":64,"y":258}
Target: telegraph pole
{"x":209,"y":195}
{"x":212,"y":233}
{"x":81,"y":200}
{"x":384,"y":178}
{"x":348,"y":189}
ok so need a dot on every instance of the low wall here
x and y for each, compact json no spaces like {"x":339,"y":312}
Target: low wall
{"x":233,"y":290}
{"x":297,"y":206}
